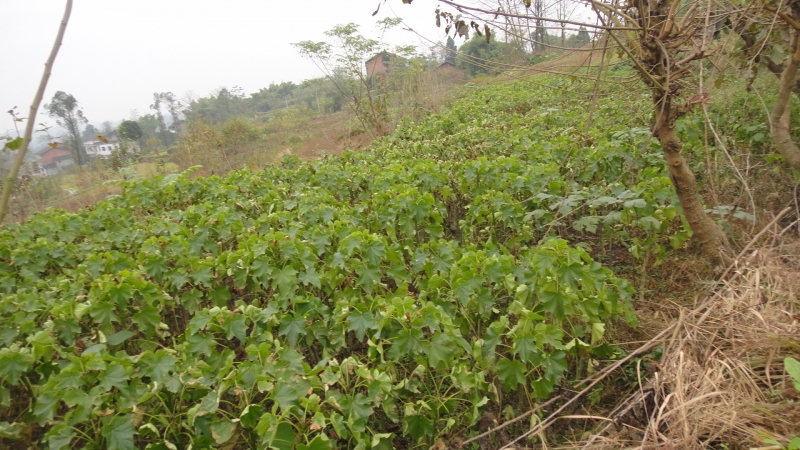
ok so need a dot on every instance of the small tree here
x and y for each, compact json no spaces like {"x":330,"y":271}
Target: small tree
{"x":68,"y":114}
{"x":90,"y":133}
{"x":772,"y":39}
{"x":451,"y":51}
{"x":130,"y":130}
{"x":343,"y":62}
{"x":37,"y":100}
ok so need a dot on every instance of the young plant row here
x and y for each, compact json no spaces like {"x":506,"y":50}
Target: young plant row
{"x":383,"y":299}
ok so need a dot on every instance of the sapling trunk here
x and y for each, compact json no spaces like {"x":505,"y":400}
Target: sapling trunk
{"x":8,"y":187}
{"x":706,"y":232}
{"x":779,"y":118}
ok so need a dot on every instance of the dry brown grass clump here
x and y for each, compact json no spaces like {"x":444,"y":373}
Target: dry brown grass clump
{"x":721,"y":382}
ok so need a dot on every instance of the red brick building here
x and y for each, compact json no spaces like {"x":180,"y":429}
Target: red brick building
{"x":380,"y":64}
{"x":451,"y":72}
{"x":54,"y":160}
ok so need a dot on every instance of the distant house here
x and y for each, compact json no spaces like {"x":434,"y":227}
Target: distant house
{"x":380,"y":64}
{"x":35,"y":168}
{"x":100,"y":149}
{"x":450,"y":71}
{"x":55,"y":160}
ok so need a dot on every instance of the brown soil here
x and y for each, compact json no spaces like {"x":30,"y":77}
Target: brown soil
{"x":331,"y":137}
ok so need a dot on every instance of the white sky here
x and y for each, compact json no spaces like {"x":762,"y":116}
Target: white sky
{"x":117,"y":53}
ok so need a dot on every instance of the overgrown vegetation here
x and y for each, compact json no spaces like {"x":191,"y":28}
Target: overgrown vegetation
{"x":469,"y":269}
{"x":358,"y":299}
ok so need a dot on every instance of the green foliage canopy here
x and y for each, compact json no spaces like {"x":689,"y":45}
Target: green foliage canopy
{"x":373,"y":299}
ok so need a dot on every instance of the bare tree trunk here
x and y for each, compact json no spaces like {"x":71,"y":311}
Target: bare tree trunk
{"x":26,"y":139}
{"x":706,"y":232}
{"x":662,"y":66}
{"x":779,"y":118}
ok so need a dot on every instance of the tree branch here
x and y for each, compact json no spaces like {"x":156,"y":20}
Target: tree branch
{"x":20,"y":158}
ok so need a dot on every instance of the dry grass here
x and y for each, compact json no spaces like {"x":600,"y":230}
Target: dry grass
{"x":721,"y":382}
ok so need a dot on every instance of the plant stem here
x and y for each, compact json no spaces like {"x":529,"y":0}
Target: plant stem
{"x":26,"y":140}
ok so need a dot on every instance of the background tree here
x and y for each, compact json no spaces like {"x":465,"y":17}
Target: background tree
{"x":771,"y":37}
{"x":148,"y":123}
{"x":582,"y":37}
{"x":450,"y":51}
{"x":156,"y":106}
{"x":90,"y":133}
{"x":475,"y":55}
{"x":342,"y":60}
{"x":130,"y":130}
{"x":174,"y":108}
{"x":69,"y":115}
{"x":108,"y":127}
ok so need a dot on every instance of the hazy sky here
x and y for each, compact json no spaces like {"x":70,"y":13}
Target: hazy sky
{"x":117,"y":53}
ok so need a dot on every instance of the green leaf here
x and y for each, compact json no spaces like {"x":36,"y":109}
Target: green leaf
{"x":220,"y":296}
{"x":464,"y":289}
{"x":440,"y":350}
{"x":199,"y":322}
{"x":235,"y":326}
{"x":201,"y":344}
{"x":286,"y":280}
{"x":407,"y":342}
{"x":793,"y":369}
{"x":208,"y":405}
{"x":261,"y":270}
{"x":553,"y":302}
{"x":311,"y":277}
{"x":45,"y":405}
{"x":636,"y":203}
{"x":157,"y":365}
{"x":571,"y":274}
{"x":120,"y":294}
{"x":250,"y":415}
{"x":222,"y":431}
{"x":178,"y":278}
{"x":42,"y":343}
{"x":11,"y":431}
{"x":511,"y":373}
{"x":368,"y":277}
{"x":280,"y":436}
{"x":598,"y":330}
{"x":418,"y":426}
{"x":118,"y":433}
{"x":357,"y":408}
{"x":292,"y":327}
{"x":555,"y":365}
{"x":148,"y":319}
{"x":543,"y":387}
{"x":360,"y":322}
{"x":103,"y":313}
{"x":525,"y":348}
{"x":374,"y":252}
{"x":321,"y":442}
{"x":202,"y":274}
{"x":286,"y":396}
{"x":60,"y":436}
{"x":588,"y":223}
{"x":119,"y":337}
{"x":14,"y":144}
{"x":14,"y":363}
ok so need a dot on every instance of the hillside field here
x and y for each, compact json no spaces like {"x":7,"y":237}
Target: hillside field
{"x":449,"y":277}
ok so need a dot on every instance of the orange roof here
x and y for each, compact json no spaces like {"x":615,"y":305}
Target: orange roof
{"x":49,"y":156}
